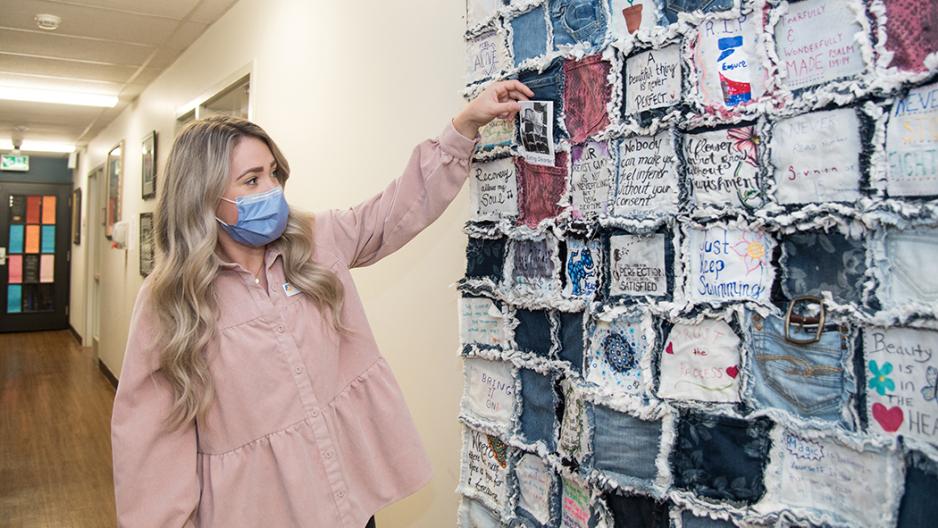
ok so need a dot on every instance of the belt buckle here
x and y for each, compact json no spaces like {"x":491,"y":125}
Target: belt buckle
{"x":803,"y":322}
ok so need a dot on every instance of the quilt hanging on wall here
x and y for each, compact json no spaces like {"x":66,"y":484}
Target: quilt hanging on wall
{"x":702,"y":269}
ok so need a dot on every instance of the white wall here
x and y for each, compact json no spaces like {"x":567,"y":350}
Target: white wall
{"x":346,"y":89}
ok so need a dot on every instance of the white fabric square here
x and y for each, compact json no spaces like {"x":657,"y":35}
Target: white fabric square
{"x":726,"y":60}
{"x":912,"y":143}
{"x":480,"y":322}
{"x":616,"y":355}
{"x":701,"y":362}
{"x":647,"y":183}
{"x":486,"y":57}
{"x":489,"y":393}
{"x":729,"y":265}
{"x":484,"y":468}
{"x":637,"y":265}
{"x":493,"y":189}
{"x":653,"y":79}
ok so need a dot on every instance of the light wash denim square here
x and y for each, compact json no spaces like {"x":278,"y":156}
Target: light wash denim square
{"x":905,"y":262}
{"x":806,"y":381}
{"x":538,"y":409}
{"x":576,"y":21}
{"x":529,"y":35}
{"x":474,"y":514}
{"x":625,"y":447}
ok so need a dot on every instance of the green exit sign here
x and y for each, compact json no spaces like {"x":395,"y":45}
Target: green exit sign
{"x":12,"y":162}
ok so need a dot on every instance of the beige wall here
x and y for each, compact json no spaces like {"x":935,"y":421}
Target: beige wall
{"x":346,"y":89}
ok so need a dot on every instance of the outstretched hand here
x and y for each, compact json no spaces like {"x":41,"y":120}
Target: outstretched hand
{"x":500,"y":100}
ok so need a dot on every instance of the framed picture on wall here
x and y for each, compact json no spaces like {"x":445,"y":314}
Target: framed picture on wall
{"x":115,"y":171}
{"x":146,"y":244}
{"x":76,"y":216}
{"x":148,"y":164}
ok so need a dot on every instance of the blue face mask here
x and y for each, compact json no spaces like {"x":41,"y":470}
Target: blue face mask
{"x":262,"y":218}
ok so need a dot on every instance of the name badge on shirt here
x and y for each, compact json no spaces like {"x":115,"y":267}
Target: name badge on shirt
{"x":290,"y":289}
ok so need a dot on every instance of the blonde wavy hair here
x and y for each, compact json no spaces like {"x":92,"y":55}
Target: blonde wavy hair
{"x":186,"y":236}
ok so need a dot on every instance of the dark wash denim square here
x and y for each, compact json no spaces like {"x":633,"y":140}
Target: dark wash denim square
{"x":637,"y":512}
{"x":673,"y":7}
{"x":577,"y":21}
{"x":817,"y":261}
{"x":538,"y":408}
{"x":721,"y":458}
{"x":547,"y":86}
{"x":485,"y":258}
{"x":529,"y":35}
{"x":571,"y":339}
{"x":918,"y":506}
{"x":625,"y":447}
{"x":533,"y":331}
{"x":804,"y":380}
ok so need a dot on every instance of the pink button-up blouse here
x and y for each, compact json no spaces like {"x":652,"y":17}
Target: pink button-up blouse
{"x":307,"y":428}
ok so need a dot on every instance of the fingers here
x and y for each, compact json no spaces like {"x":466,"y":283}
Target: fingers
{"x":508,"y":108}
{"x":518,"y":86}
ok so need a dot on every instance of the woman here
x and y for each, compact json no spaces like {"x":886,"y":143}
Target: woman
{"x":252,"y":392}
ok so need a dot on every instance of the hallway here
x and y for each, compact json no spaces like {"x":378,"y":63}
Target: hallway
{"x":55,"y":451}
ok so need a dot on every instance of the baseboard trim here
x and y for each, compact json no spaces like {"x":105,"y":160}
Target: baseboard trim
{"x":107,"y":373}
{"x":75,"y":334}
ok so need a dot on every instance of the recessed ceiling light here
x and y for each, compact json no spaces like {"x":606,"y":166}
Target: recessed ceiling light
{"x":40,"y":95}
{"x":47,"y":22}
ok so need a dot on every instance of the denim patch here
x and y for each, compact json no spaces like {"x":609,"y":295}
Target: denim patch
{"x":548,"y":86}
{"x":804,"y":380}
{"x":689,"y":520}
{"x":617,"y":352}
{"x":700,"y":362}
{"x":529,"y":35}
{"x":626,"y":17}
{"x":486,"y":57}
{"x":592,"y":178}
{"x":902,"y":382}
{"x":726,"y":264}
{"x":815,"y":43}
{"x":533,"y":333}
{"x":582,"y":267}
{"x":672,"y":8}
{"x":817,"y":157}
{"x":481,"y":322}
{"x":647,"y":184}
{"x":576,"y":21}
{"x":484,"y":468}
{"x":912,"y":141}
{"x":652,"y":80}
{"x":485,"y":258}
{"x":571,"y":339}
{"x":532,"y":264}
{"x":474,"y":514}
{"x":538,"y":409}
{"x":536,"y":488}
{"x":638,"y":512}
{"x":821,"y":478}
{"x":542,"y":189}
{"x":726,"y":60}
{"x":817,"y":262}
{"x":722,"y":168}
{"x":905,"y":265}
{"x":625,"y":448}
{"x":576,"y":512}
{"x":585,"y":96}
{"x":489,"y":391}
{"x":493,"y":190}
{"x":720,"y":457}
{"x":574,"y":433}
{"x":911,"y":33}
{"x":918,"y":506}
{"x":637,"y":265}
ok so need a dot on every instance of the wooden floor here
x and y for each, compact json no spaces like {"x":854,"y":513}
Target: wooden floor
{"x":55,"y":443}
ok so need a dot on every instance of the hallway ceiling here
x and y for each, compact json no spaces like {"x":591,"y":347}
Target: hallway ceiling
{"x":111,"y":47}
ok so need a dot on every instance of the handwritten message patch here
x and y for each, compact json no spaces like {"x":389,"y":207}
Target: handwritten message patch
{"x":729,"y":265}
{"x":701,"y":362}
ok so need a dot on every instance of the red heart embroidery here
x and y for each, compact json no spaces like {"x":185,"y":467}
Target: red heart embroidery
{"x":670,"y":348}
{"x":732,"y":371}
{"x":889,"y":418}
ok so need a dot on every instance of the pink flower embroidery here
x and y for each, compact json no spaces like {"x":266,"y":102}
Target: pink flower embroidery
{"x":752,"y":251}
{"x":745,"y":141}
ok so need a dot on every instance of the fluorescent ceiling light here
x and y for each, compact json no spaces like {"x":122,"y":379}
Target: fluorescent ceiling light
{"x":39,"y":146}
{"x":41,"y":95}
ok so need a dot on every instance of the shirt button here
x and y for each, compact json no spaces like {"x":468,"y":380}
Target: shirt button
{"x":314,"y":413}
{"x":298,"y":370}
{"x":340,"y":494}
{"x":280,"y":328}
{"x":327,"y":454}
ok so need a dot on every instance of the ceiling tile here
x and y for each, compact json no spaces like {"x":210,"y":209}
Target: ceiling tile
{"x":67,"y":47}
{"x":62,"y":68}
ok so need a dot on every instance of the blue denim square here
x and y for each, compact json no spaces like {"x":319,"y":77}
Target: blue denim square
{"x":485,"y":258}
{"x":529,"y":35}
{"x":815,"y":262}
{"x":673,"y":7}
{"x":625,"y":447}
{"x":533,"y":331}
{"x":571,"y":339}
{"x":807,"y":380}
{"x":538,"y":408}
{"x":577,"y":21}
{"x":547,"y":86}
{"x":918,"y":506}
{"x":638,"y":512}
{"x":720,"y":457}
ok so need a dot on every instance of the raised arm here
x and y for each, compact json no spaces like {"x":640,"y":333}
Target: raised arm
{"x":155,"y":478}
